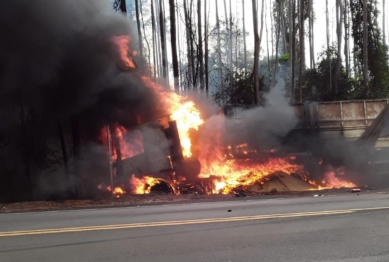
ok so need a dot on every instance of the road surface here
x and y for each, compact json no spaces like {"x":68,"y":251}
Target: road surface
{"x":331,"y":228}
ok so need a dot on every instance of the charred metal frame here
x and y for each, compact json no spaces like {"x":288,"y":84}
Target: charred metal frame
{"x":175,"y":147}
{"x":175,"y":156}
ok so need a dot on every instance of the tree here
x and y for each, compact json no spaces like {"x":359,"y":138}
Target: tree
{"x":179,"y":44}
{"x":200,"y":46}
{"x":328,"y":43}
{"x":163,"y":39}
{"x":238,"y":90}
{"x":293,"y":54}
{"x":283,"y":28}
{"x":261,"y":30}
{"x":120,"y":5}
{"x":339,"y":19}
{"x":311,"y":35}
{"x":383,"y":22}
{"x":173,"y":41}
{"x":267,"y":42}
{"x":272,"y":30}
{"x":218,"y":46}
{"x":302,"y":50}
{"x":153,"y":27}
{"x":317,"y":80}
{"x":229,"y":57}
{"x":244,"y":36}
{"x":138,"y":25}
{"x":206,"y":15}
{"x":365,"y":48}
{"x":256,"y":52}
{"x":230,"y":38}
{"x":346,"y":37}
{"x":279,"y":22}
{"x":190,"y":42}
{"x":145,"y":35}
{"x":369,"y":50}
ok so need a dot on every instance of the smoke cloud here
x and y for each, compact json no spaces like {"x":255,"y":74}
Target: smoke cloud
{"x":263,"y":127}
{"x":274,"y":126}
{"x":58,"y":57}
{"x":58,"y":62}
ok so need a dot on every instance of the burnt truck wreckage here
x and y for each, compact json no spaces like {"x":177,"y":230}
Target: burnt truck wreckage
{"x":161,"y":166}
{"x":161,"y":158}
{"x":320,"y":124}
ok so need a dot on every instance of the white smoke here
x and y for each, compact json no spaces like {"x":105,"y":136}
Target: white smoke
{"x":263,"y":127}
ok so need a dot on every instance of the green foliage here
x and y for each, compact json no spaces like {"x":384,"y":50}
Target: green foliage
{"x":319,"y":81}
{"x":284,"y":58}
{"x":379,"y":71}
{"x":237,"y":89}
{"x":377,"y":52}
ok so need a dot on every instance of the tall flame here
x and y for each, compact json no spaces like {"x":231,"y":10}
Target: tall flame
{"x":182,"y":111}
{"x":187,"y":117}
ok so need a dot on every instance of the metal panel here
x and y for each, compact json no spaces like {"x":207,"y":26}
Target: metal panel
{"x":329,"y":115}
{"x":347,"y":119}
{"x":373,"y":108}
{"x":353,"y":111}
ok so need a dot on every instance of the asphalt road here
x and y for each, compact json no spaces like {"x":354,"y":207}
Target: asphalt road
{"x":330,"y":228}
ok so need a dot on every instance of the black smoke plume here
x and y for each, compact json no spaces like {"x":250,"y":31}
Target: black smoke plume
{"x":58,"y":62}
{"x":59,"y":56}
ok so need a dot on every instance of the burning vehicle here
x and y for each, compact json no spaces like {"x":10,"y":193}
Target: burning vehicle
{"x":98,"y":98}
{"x":167,"y":156}
{"x":149,"y":158}
{"x":181,"y":152}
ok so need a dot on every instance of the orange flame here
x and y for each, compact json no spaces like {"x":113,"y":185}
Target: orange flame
{"x":130,"y":142}
{"x":142,"y":185}
{"x":118,"y":191}
{"x":182,"y":111}
{"x":187,"y":117}
{"x":330,"y":181}
{"x":103,"y":187}
{"x":122,"y":43}
{"x":233,"y":173}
